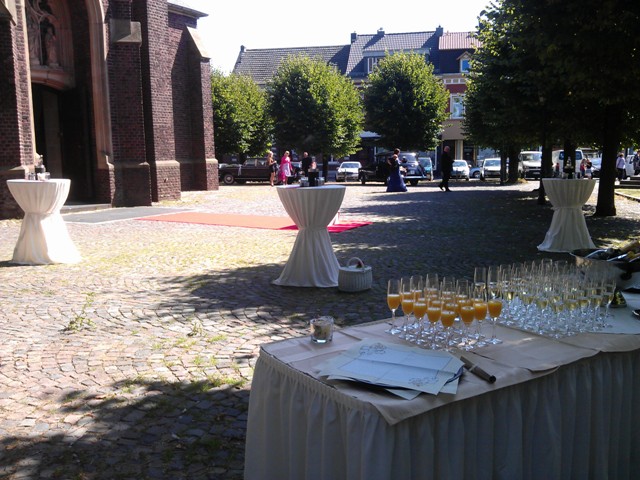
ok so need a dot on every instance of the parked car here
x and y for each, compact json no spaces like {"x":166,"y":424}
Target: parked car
{"x":460,"y":170}
{"x":252,"y":170}
{"x":531,"y":163}
{"x":490,"y":168}
{"x":475,"y":172}
{"x":427,"y":167}
{"x":557,"y":159}
{"x":378,"y":170}
{"x":348,"y":171}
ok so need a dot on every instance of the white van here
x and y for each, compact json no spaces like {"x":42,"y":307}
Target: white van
{"x":557,"y":157}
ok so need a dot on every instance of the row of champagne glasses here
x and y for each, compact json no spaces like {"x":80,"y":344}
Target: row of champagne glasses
{"x":554,"y":298}
{"x":551,"y":298}
{"x":439,"y":313}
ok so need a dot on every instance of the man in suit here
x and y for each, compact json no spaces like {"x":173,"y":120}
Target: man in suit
{"x":446,"y":165}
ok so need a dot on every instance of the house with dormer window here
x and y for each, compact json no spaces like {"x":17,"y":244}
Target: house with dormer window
{"x":449,"y":52}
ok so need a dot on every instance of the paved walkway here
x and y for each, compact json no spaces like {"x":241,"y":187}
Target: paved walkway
{"x":137,"y":362}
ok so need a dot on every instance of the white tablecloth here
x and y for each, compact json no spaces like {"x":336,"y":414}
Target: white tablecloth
{"x":568,"y":230}
{"x":312,"y":262}
{"x":44,"y":238}
{"x":573,"y":414}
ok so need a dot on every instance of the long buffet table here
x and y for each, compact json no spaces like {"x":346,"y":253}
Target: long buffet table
{"x":559,"y":409}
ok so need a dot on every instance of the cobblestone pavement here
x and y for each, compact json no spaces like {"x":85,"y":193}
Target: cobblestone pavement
{"x":136,"y":363}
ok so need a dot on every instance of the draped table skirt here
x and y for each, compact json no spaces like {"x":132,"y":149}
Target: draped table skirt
{"x":44,"y":238}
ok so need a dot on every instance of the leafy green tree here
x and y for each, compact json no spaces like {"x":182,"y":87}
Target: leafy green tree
{"x":405,"y":103}
{"x":559,"y":62}
{"x":241,"y":122}
{"x":314,"y":107}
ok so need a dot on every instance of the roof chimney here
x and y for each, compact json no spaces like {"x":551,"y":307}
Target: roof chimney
{"x":381,"y":32}
{"x":439,"y":31}
{"x":354,"y":37}
{"x":241,"y":48}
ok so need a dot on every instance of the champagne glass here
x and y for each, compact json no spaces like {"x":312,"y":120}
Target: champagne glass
{"x":407,"y":296}
{"x":480,"y":311}
{"x":447,"y":317}
{"x":494,"y":306}
{"x":467,"y":315}
{"x":393,"y":301}
{"x":479,"y":280}
{"x":419,"y":310}
{"x":493,"y":282}
{"x":434,"y":310}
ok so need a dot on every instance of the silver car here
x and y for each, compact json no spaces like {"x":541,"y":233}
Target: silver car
{"x":460,"y":170}
{"x":348,"y":171}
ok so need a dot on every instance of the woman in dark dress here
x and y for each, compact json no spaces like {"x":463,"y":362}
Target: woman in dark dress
{"x":395,"y":182}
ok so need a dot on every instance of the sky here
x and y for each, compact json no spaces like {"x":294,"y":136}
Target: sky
{"x":289,"y":23}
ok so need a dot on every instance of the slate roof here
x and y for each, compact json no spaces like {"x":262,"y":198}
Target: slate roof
{"x":262,"y":64}
{"x":458,"y":41}
{"x":376,"y":45}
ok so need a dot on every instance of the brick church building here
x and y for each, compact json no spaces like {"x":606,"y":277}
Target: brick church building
{"x":112,"y":94}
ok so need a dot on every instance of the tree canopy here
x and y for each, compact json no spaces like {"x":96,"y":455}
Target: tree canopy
{"x":241,"y":123}
{"x":314,"y":107}
{"x":556,"y":71}
{"x":405,"y":103}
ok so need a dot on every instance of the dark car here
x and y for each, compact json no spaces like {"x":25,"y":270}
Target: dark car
{"x":252,"y":170}
{"x":378,"y":170}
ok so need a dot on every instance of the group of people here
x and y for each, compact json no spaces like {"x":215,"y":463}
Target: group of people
{"x":395,"y":182}
{"x":285,"y":172}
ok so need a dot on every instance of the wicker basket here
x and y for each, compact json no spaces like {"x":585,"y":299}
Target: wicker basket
{"x":355,"y":276}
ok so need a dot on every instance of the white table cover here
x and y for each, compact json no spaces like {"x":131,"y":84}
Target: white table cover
{"x":568,"y":230}
{"x":577,"y":419}
{"x":312,"y":262}
{"x":43,"y":238}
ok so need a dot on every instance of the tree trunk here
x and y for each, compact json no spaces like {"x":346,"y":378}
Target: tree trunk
{"x":606,"y":205}
{"x":514,"y":162}
{"x":546,"y":171}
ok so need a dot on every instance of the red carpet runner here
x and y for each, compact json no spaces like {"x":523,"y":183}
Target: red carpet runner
{"x":247,"y":221}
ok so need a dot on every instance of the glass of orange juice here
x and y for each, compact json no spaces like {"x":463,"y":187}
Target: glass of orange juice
{"x":434,"y":310}
{"x":467,"y":315}
{"x":393,"y":302}
{"x":407,"y":297}
{"x":447,"y":317}
{"x":419,"y":311}
{"x":494,"y":305}
{"x":480,"y":307}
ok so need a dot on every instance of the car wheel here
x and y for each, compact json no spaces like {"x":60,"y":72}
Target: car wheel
{"x":482,"y":179}
{"x":413,"y":182}
{"x":363,"y":180}
{"x":476,"y":175}
{"x":228,"y":179}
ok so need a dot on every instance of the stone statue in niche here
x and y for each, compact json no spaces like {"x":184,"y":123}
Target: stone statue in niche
{"x":41,"y":28}
{"x":50,"y":42}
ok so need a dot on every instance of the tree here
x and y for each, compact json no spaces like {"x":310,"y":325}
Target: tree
{"x":563,"y":58}
{"x":241,"y":123}
{"x":405,"y":103}
{"x":314,"y":107}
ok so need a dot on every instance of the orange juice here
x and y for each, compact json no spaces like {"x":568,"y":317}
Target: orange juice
{"x":393,"y":300}
{"x":407,"y":304}
{"x":433,"y":313}
{"x":451,"y":305}
{"x":495,"y":307}
{"x":480,"y":310}
{"x":420,"y":307}
{"x":467,"y":313}
{"x":447,"y":317}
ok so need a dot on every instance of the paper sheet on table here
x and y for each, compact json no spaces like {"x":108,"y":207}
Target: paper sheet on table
{"x":390,"y":365}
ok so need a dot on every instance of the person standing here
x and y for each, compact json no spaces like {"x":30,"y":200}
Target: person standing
{"x":306,"y":163}
{"x":285,"y":168}
{"x":395,"y":182}
{"x":446,"y":165}
{"x":636,"y":163}
{"x":273,"y":168}
{"x":620,"y":166}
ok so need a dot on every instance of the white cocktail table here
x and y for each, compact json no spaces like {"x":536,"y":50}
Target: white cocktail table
{"x":568,"y":230}
{"x":43,"y":238}
{"x":312,"y":262}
